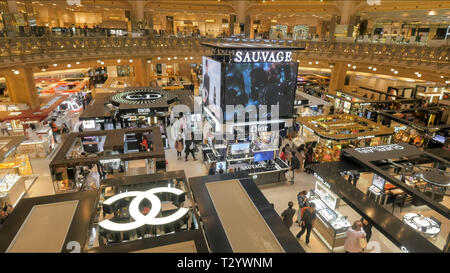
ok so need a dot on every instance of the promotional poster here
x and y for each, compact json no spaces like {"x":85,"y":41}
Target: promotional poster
{"x":211,"y":82}
{"x":260,"y":84}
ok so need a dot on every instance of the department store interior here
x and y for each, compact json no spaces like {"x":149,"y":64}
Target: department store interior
{"x":130,"y":126}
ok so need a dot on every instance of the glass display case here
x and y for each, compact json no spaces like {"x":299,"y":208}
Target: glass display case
{"x":326,"y":195}
{"x":331,"y":225}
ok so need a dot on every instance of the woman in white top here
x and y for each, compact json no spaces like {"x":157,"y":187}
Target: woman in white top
{"x":354,"y":233}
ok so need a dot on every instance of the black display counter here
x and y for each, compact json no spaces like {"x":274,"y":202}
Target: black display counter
{"x":378,"y":158}
{"x":264,"y":172}
{"x":120,"y":147}
{"x":407,"y":239}
{"x":215,"y":226}
{"x":189,"y":239}
{"x":77,"y":225}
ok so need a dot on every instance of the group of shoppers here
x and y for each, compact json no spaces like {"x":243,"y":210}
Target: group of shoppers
{"x":358,"y":235}
{"x":297,"y":158}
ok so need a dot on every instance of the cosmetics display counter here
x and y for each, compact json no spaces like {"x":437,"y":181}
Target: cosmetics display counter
{"x":39,"y":145}
{"x":427,"y":226}
{"x":331,"y":225}
{"x":12,"y":188}
{"x":334,"y":132}
{"x":262,"y":165}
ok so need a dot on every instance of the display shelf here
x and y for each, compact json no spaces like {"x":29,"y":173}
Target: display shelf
{"x":326,"y":195}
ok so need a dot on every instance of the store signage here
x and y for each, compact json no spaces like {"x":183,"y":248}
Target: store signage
{"x":260,"y":56}
{"x":143,"y":96}
{"x":382,"y":148}
{"x":258,"y":128}
{"x":404,"y":249}
{"x":107,"y":161}
{"x":139,"y":218}
{"x":364,"y":137}
{"x":143,"y":110}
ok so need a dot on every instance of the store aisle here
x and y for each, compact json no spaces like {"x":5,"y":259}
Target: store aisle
{"x":43,"y":184}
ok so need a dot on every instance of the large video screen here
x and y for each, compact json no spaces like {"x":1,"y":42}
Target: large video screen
{"x":211,"y":83}
{"x":260,"y":84}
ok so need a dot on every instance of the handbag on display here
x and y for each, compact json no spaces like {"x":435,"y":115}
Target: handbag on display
{"x":362,"y":242}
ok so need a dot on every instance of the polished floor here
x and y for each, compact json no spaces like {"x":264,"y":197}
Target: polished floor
{"x":278,"y":194}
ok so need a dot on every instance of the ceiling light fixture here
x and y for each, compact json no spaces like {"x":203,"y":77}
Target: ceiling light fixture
{"x":374,"y":69}
{"x":354,"y":67}
{"x":396,"y":72}
{"x":69,"y":65}
{"x":349,"y":65}
{"x":16,"y":72}
{"x":131,"y":60}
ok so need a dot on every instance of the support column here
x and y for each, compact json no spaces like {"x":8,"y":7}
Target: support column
{"x":241,"y":7}
{"x":141,"y":72}
{"x":337,"y":79}
{"x":22,"y":88}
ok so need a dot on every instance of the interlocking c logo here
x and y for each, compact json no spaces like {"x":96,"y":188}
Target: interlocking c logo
{"x":139,"y":218}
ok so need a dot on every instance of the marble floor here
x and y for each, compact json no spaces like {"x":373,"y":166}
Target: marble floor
{"x":278,"y":194}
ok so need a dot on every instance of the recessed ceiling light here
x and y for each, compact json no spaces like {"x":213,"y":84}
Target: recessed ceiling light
{"x":131,"y":60}
{"x":370,"y":67}
{"x":354,"y":67}
{"x":442,"y":77}
{"x":374,"y":69}
{"x":16,"y":72}
{"x":317,"y":62}
{"x":310,"y":62}
{"x":77,"y":62}
{"x":349,"y":65}
{"x":392,"y":69}
{"x":69,"y":65}
{"x":55,"y":65}
{"x":396,"y":72}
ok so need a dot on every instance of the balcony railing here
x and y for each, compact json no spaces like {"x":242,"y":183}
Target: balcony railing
{"x":42,"y":49}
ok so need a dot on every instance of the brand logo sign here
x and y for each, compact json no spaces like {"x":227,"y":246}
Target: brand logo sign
{"x":144,"y":96}
{"x":382,"y":148}
{"x":258,"y":128}
{"x":139,"y":218}
{"x":143,"y":110}
{"x":261,"y":56}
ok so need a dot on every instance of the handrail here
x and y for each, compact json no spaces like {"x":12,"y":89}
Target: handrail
{"x":38,"y":47}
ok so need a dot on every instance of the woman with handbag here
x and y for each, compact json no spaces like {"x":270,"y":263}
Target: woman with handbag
{"x":356,"y":238}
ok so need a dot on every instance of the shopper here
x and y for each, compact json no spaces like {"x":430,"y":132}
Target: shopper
{"x":4,"y":128}
{"x":295,"y":165}
{"x":288,"y":214}
{"x":283,"y":155}
{"x":308,"y":217}
{"x":367,"y":227}
{"x":212,"y":169}
{"x":309,"y":157}
{"x":355,"y":234}
{"x":302,"y":202}
{"x":179,"y":144}
{"x":190,"y":147}
{"x":144,"y":144}
{"x":55,"y":129}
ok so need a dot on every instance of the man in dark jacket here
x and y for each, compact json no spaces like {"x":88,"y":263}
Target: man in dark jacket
{"x":190,"y":147}
{"x":295,"y":164}
{"x":288,"y":214}
{"x":307,"y":222}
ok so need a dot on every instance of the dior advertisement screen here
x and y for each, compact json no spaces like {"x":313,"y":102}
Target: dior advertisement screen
{"x":260,"y":84}
{"x":211,"y":83}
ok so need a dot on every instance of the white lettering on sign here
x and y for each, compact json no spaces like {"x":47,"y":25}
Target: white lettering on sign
{"x":262,"y":56}
{"x":382,"y":148}
{"x":404,"y":249}
{"x":364,"y":137}
{"x":106,"y":161}
{"x":143,"y":110}
{"x":258,"y":128}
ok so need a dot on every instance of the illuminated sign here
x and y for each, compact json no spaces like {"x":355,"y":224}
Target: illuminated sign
{"x":364,"y":137}
{"x":143,"y":110}
{"x":258,"y":128}
{"x":106,"y":161}
{"x":139,"y":218}
{"x":382,"y":148}
{"x":259,"y":56}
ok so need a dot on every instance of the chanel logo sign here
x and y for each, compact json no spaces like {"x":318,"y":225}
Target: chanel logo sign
{"x":139,"y":218}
